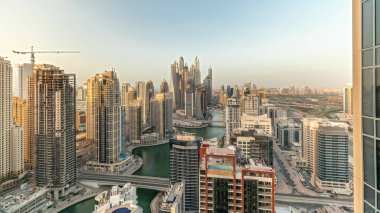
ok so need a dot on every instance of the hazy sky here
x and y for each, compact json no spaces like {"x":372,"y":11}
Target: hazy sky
{"x":270,"y":42}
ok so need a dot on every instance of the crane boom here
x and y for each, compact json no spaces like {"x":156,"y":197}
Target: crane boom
{"x":32,"y":52}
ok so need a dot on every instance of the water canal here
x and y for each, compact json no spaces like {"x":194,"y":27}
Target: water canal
{"x":156,"y":163}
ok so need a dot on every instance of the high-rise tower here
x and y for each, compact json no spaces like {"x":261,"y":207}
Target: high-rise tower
{"x":347,"y":99}
{"x":366,"y":107}
{"x":232,"y":117}
{"x":21,"y":80}
{"x":149,"y":94}
{"x":161,"y":114}
{"x":135,"y":121}
{"x":51,"y":101}
{"x":164,"y":87}
{"x":104,"y":113}
{"x":184,"y":166}
{"x":6,"y":117}
{"x":330,"y":162}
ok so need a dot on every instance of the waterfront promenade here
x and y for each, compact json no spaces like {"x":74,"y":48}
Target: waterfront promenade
{"x":130,"y":148}
{"x":90,"y":193}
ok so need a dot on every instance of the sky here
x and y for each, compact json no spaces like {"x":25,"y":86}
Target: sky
{"x":272,"y":43}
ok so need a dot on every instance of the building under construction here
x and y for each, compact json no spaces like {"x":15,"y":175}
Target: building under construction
{"x":51,"y":127}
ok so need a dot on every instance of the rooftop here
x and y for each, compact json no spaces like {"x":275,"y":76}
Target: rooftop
{"x":15,"y":200}
{"x":172,"y":196}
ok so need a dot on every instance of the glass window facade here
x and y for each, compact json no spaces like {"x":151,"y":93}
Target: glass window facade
{"x":367,"y":24}
{"x":371,"y":103}
{"x":367,"y":57}
{"x":367,"y":92}
{"x":368,"y":127}
{"x":368,"y":160}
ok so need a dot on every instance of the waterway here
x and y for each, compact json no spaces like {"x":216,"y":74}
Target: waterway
{"x":156,"y":163}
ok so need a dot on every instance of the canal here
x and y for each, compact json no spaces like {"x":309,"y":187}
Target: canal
{"x":156,"y":163}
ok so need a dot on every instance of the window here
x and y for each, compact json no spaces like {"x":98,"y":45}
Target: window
{"x":367,"y":56}
{"x":377,"y":22}
{"x":369,"y":194}
{"x":367,"y":92}
{"x":368,"y":209}
{"x":378,"y":129}
{"x":368,"y":127}
{"x":378,"y":92}
{"x":378,"y":163}
{"x":368,"y":161}
{"x":367,"y":24}
{"x":377,"y":59}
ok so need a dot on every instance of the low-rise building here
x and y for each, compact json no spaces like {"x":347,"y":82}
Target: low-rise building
{"x":30,"y":200}
{"x":256,"y":122}
{"x":287,"y":132}
{"x":119,"y":167}
{"x":118,"y":199}
{"x":150,"y":138}
{"x":173,"y":199}
{"x":254,"y":143}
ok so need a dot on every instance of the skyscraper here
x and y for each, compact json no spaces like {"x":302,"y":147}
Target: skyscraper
{"x":250,"y":104}
{"x":19,"y":114}
{"x":309,"y":128}
{"x":366,"y":107}
{"x":21,"y":80}
{"x":149,"y":94}
{"x":90,"y":109}
{"x":19,"y":111}
{"x":207,"y":82}
{"x":232,"y":117}
{"x":81,"y":93}
{"x":184,"y":166}
{"x":330,"y":171}
{"x":189,"y":103}
{"x":104,"y":113}
{"x":164,"y":87}
{"x":142,"y":95}
{"x":124,"y":94}
{"x":131,"y":97}
{"x":17,"y":150}
{"x":123,"y":129}
{"x":52,"y":98}
{"x":200,"y":105}
{"x":197,"y":72}
{"x":135,"y":121}
{"x":161,"y":114}
{"x":174,"y":85}
{"x":185,"y":80}
{"x":6,"y":117}
{"x":347,"y":99}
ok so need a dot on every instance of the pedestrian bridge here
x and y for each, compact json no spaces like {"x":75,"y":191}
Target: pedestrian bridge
{"x":144,"y":182}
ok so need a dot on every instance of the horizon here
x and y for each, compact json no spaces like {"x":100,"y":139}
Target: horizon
{"x":260,"y":40}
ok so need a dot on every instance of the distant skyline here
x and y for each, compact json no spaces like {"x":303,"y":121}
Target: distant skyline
{"x":270,"y":43}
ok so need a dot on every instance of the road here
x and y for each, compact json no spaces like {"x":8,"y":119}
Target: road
{"x":145,"y":182}
{"x":282,"y":182}
{"x":314,"y":200}
{"x":290,"y":174}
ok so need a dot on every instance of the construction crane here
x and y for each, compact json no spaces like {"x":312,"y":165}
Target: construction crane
{"x":32,"y":52}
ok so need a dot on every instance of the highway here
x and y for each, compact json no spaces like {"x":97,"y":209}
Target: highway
{"x":314,"y":200}
{"x":145,"y":182}
{"x":290,"y":174}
